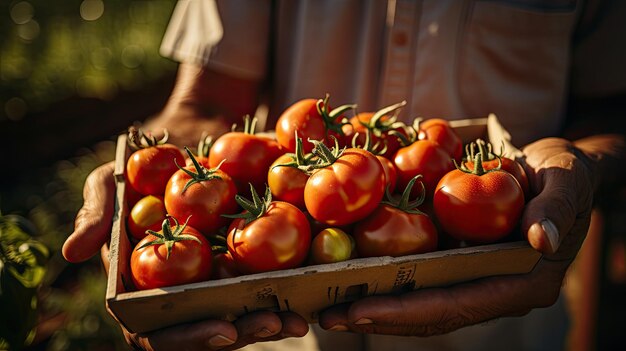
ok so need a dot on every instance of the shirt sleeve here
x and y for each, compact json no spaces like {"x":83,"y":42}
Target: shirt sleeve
{"x":230,"y":36}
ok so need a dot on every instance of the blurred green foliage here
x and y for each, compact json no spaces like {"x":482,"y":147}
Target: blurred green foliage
{"x":51,"y":51}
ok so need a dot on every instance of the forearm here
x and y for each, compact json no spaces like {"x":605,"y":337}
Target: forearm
{"x":211,"y":93}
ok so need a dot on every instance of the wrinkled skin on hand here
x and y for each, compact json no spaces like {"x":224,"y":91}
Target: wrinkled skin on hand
{"x":186,"y":116}
{"x":562,"y":177}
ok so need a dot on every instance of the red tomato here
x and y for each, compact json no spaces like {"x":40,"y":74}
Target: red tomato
{"x":173,"y":256}
{"x":439,"y":131}
{"x":202,"y":195}
{"x":380,"y":124}
{"x":224,"y":266}
{"x":347,"y":190}
{"x":391,"y":174}
{"x":479,"y":208}
{"x":331,"y":245}
{"x":279,"y":238}
{"x":147,"y":214}
{"x":149,"y":169}
{"x":246,"y":157}
{"x":491,"y":161}
{"x":286,"y":182}
{"x":422,"y":157}
{"x":390,"y":231}
{"x":310,"y":119}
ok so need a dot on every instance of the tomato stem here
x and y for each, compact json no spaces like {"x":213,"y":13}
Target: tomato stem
{"x":168,"y":237}
{"x":253,"y":209}
{"x":331,"y":118}
{"x":202,"y":174}
{"x":137,"y":139}
{"x":404,"y":203}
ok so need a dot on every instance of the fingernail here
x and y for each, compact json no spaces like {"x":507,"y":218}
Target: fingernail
{"x":220,"y":340}
{"x":338,"y":327}
{"x":552,"y":233}
{"x":263,"y":333}
{"x":364,"y":321}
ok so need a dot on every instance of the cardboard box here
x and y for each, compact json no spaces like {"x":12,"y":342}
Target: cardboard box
{"x":305,"y":290}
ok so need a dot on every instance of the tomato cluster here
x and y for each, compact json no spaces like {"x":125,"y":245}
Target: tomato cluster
{"x":334,"y":188}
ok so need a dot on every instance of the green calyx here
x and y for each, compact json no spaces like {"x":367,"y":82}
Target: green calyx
{"x":377,"y":125}
{"x":204,"y":145}
{"x":326,"y":156}
{"x":331,"y":119}
{"x":300,"y":160}
{"x":404,"y":203}
{"x":169,"y":237}
{"x":249,"y":125}
{"x":137,"y":139}
{"x":369,"y":145}
{"x":254,"y":208}
{"x":478,"y":168}
{"x":202,"y":174}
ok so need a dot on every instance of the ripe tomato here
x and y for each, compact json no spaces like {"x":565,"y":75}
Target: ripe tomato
{"x":202,"y":195}
{"x":275,"y":235}
{"x":389,"y":231}
{"x":246,"y":157}
{"x":439,"y":131}
{"x":347,"y":189}
{"x":151,"y":164}
{"x":491,"y":161}
{"x":479,"y":206}
{"x":310,"y":119}
{"x":380,"y":124}
{"x":149,"y":169}
{"x":224,"y":266}
{"x":331,"y":245}
{"x":396,"y":227}
{"x":422,"y":157}
{"x":287,"y":182}
{"x":173,"y":256}
{"x":391,"y":174}
{"x":147,"y":214}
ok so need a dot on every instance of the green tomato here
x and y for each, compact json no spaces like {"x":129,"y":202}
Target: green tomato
{"x":331,"y":245}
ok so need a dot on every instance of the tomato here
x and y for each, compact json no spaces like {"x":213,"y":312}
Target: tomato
{"x":380,"y":124}
{"x":347,"y":189}
{"x":492,"y":161}
{"x":422,"y":157}
{"x":478,"y":206}
{"x":397,"y":227}
{"x":439,"y":131}
{"x":149,"y":169}
{"x":310,"y":119}
{"x":271,"y":235}
{"x":147,"y":214}
{"x":203,"y":195}
{"x":391,"y":174}
{"x":389,"y":231}
{"x":246,"y":157}
{"x":287,"y":182}
{"x":224,"y":266}
{"x":173,"y":256}
{"x":331,"y":245}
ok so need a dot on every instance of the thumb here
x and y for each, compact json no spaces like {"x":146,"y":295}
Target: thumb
{"x":564,"y":200}
{"x":92,"y":226}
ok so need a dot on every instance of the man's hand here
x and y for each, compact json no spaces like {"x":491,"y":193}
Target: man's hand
{"x":555,"y":221}
{"x":186,"y":116}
